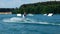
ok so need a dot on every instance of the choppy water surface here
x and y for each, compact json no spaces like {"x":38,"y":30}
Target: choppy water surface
{"x":36,"y":24}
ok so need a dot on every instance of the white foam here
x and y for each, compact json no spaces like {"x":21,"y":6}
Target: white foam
{"x":23,"y":17}
{"x":46,"y":23}
{"x":16,"y":19}
{"x":43,"y":23}
{"x":30,"y":15}
{"x":13,"y":19}
{"x":27,"y":20}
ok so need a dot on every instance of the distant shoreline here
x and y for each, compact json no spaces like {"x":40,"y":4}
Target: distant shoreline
{"x":35,"y":8}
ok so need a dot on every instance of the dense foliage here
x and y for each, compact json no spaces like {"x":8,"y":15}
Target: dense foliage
{"x":40,"y":8}
{"x":6,"y":9}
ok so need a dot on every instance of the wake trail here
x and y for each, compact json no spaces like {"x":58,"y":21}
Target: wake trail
{"x":27,"y":20}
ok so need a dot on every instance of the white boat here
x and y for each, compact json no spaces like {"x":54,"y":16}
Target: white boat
{"x":19,"y":15}
{"x":50,"y":14}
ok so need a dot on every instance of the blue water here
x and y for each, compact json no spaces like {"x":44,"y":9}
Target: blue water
{"x":36,"y":24}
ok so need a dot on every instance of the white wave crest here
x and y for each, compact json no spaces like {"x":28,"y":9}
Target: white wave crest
{"x":13,"y":19}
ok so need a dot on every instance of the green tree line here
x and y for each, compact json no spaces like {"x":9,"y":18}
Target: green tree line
{"x":39,"y":8}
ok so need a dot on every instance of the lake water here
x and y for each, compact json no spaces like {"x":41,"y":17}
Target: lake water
{"x":36,"y":24}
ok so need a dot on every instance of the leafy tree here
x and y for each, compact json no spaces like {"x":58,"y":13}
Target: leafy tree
{"x":39,"y":8}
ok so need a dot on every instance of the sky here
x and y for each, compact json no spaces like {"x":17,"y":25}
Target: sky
{"x":18,"y":3}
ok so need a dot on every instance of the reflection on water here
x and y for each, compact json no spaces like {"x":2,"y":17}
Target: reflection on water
{"x":37,"y":24}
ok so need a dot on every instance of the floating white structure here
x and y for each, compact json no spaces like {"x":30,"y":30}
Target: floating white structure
{"x":19,"y":15}
{"x":50,"y":14}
